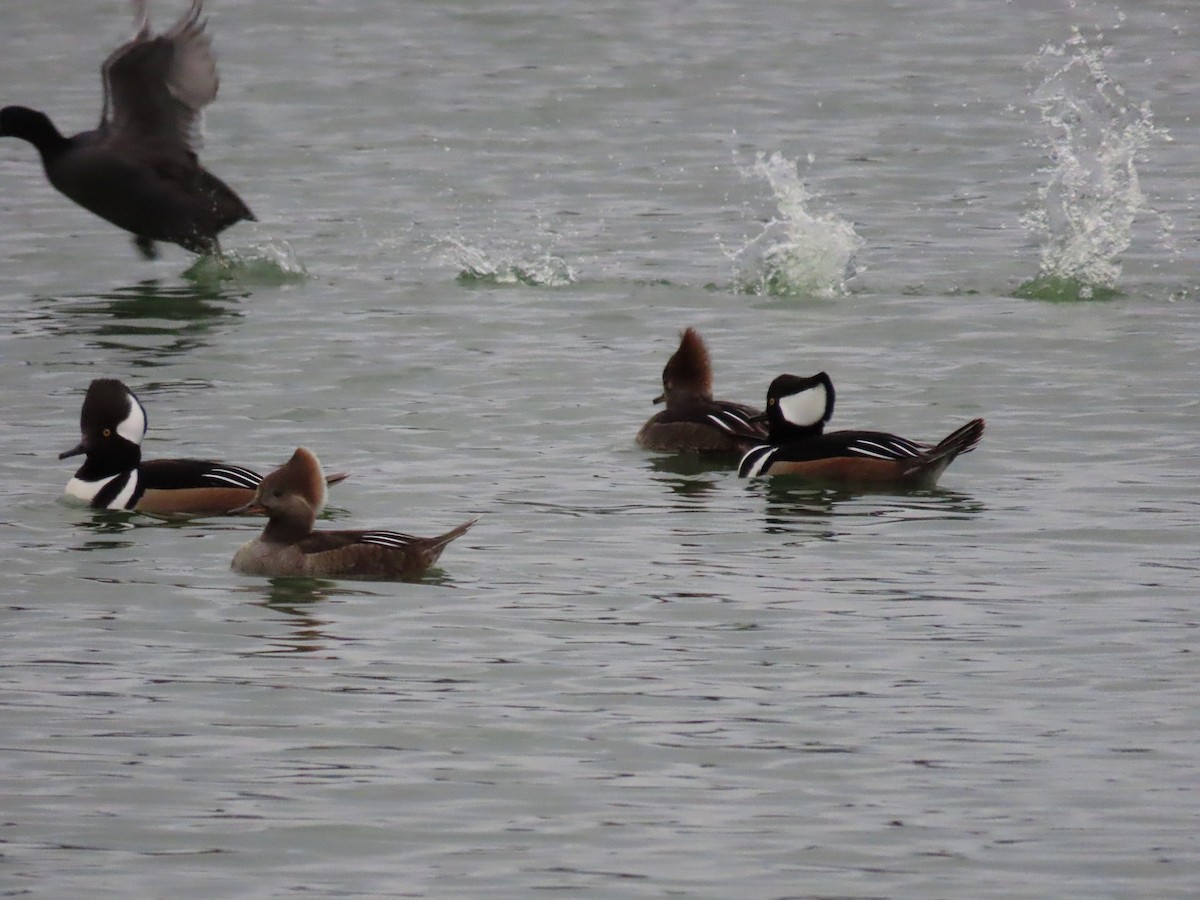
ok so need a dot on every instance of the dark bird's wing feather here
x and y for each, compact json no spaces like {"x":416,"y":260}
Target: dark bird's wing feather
{"x":156,"y":86}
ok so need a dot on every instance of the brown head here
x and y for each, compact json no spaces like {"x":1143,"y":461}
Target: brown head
{"x":292,"y":496}
{"x":688,"y":373}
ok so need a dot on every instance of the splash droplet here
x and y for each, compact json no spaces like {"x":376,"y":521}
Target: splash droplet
{"x":1087,"y":207}
{"x":798,"y":252}
{"x":529,"y":266}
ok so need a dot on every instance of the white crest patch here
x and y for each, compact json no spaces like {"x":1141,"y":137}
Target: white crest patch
{"x":806,"y":407}
{"x":133,"y":426}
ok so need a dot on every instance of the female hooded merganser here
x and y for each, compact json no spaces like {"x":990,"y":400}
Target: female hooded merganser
{"x":138,"y":169}
{"x":797,"y":410}
{"x":693,"y":421}
{"x":114,"y":475}
{"x":292,"y":496}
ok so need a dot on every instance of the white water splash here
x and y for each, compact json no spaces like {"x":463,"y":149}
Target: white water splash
{"x":272,"y":263}
{"x":798,"y":252}
{"x":1092,"y":196}
{"x":535,"y":267}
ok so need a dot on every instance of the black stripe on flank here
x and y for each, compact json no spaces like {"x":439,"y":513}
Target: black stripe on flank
{"x":752,"y":457}
{"x":112,"y":490}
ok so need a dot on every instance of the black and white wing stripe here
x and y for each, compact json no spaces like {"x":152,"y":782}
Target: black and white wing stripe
{"x":232,"y":477}
{"x":885,"y":446}
{"x":387,"y":539}
{"x":184,"y":474}
{"x":732,"y":422}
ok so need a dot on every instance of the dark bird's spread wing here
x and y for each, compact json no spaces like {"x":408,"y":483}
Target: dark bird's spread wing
{"x":156,"y":86}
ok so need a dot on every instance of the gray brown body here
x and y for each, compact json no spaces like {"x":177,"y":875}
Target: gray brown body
{"x":685,"y":428}
{"x":341,"y":554}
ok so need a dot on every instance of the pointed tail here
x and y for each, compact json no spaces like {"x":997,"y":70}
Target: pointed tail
{"x":933,"y":462}
{"x":963,"y":440}
{"x":442,"y":540}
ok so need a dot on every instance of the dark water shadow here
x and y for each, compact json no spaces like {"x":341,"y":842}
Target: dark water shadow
{"x":694,"y":463}
{"x":149,"y":321}
{"x":297,"y":601}
{"x":687,"y":474}
{"x":796,"y":503}
{"x":104,"y":529}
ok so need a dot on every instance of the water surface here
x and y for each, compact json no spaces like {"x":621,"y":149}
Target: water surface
{"x":482,"y":229}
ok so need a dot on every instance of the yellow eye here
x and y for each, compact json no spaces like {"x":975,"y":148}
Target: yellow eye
{"x":771,"y":402}
{"x":108,"y":432}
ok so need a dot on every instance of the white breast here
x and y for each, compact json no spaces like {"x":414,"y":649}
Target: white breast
{"x":87,"y":490}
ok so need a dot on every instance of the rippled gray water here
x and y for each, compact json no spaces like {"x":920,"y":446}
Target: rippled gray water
{"x":482,"y":228}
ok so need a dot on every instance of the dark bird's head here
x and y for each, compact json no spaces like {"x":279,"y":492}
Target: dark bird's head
{"x":30,"y":125}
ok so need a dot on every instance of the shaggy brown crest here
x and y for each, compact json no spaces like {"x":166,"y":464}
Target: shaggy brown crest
{"x":301,"y":476}
{"x":688,"y":373}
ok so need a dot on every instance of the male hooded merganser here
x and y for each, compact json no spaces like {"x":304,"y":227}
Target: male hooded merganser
{"x":292,"y":496}
{"x":114,"y":475}
{"x":138,"y":169}
{"x":693,"y":421}
{"x":797,"y":410}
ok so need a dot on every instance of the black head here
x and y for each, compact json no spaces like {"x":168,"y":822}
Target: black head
{"x":112,"y":422}
{"x":29,"y":125}
{"x":799,"y":407}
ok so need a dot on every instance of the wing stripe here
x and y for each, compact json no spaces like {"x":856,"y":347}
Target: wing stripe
{"x":234,"y":476}
{"x":897,"y":449}
{"x":387,"y":538}
{"x":720,"y":422}
{"x":733,"y":422}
